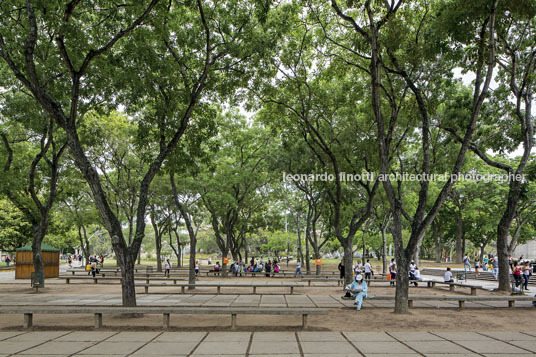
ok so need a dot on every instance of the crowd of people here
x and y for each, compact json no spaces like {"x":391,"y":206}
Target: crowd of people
{"x":269,"y":267}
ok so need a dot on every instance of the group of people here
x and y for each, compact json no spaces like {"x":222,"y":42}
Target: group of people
{"x":94,"y":262}
{"x":269,"y":267}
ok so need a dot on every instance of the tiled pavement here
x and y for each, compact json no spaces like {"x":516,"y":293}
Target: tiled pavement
{"x":321,"y":301}
{"x":162,"y":344}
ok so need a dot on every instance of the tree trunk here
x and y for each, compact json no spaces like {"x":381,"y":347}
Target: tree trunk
{"x":436,"y":227}
{"x":363,"y":240}
{"x":348,"y":262}
{"x":128,"y":288}
{"x":402,"y":282}
{"x":307,"y":256}
{"x":459,"y":238}
{"x":38,"y":235}
{"x":384,"y":250}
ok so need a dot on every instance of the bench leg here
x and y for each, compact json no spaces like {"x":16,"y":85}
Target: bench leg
{"x":461,"y":304}
{"x":304,"y":321}
{"x":147,"y":281}
{"x":175,"y":281}
{"x":73,"y":272}
{"x":28,"y":320}
{"x":433,"y":284}
{"x":166,"y":320}
{"x":67,"y":280}
{"x":511,"y":303}
{"x":291,"y":290}
{"x":95,"y":280}
{"x":98,"y":320}
{"x":309,"y":283}
{"x":182,"y":289}
{"x":451,"y":287}
{"x":146,"y":289}
{"x":410,"y":304}
{"x":233,"y":321}
{"x":218,"y":290}
{"x":254,"y":290}
{"x":428,"y":284}
{"x":473,"y":291}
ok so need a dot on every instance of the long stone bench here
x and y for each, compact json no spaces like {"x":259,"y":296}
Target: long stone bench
{"x":218,"y":286}
{"x":474,"y":288}
{"x":117,"y":278}
{"x":460,"y":298}
{"x":29,"y":311}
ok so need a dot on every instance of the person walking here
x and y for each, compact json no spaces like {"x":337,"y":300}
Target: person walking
{"x":196,"y":267}
{"x":466,"y":263}
{"x":495,"y":269}
{"x":527,"y":272}
{"x":392,"y":272}
{"x":168,"y":268}
{"x":516,"y":271}
{"x":8,"y":260}
{"x":485,"y":263}
{"x":298,"y":269}
{"x":477,"y":267}
{"x":341,"y":270}
{"x":368,"y":270}
{"x":359,"y":288}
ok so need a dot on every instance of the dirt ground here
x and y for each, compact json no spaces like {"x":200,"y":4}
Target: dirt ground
{"x":369,"y":319}
{"x":337,"y":320}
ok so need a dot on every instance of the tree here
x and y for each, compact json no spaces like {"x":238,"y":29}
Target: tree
{"x":384,"y":51}
{"x":180,"y":48}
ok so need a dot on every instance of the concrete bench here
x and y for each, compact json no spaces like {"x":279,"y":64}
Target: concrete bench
{"x":474,"y":288}
{"x":113,"y":278}
{"x":461,"y":299}
{"x":218,"y":287}
{"x":29,"y":311}
{"x":309,"y":280}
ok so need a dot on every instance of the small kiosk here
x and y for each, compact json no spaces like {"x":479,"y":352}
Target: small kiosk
{"x":24,"y":267}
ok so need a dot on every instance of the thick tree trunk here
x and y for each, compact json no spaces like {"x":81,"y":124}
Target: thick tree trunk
{"x":402,"y":282}
{"x":127,"y":262}
{"x":459,"y":238}
{"x":38,"y":235}
{"x":348,"y":262}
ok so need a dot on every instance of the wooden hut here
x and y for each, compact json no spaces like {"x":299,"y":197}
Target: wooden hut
{"x":24,"y":266}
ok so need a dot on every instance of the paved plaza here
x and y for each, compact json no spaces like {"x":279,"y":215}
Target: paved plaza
{"x":111,"y":343}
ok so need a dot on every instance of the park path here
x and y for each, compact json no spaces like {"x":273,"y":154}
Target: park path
{"x":305,"y":343}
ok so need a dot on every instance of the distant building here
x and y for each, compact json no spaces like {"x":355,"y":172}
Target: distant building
{"x":527,"y":250}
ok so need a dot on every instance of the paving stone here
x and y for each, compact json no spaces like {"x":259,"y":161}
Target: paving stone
{"x":436,"y":347}
{"x":354,"y":354}
{"x":274,"y":336}
{"x":383,"y":347}
{"x":391,"y":354}
{"x":490,"y":347}
{"x":133,"y":336}
{"x":528,"y":345}
{"x":414,"y":336}
{"x":180,"y":337}
{"x":462,"y":336}
{"x":17,"y":346}
{"x":219,"y":348}
{"x":227,"y":337}
{"x":8,"y":334}
{"x":269,"y":347}
{"x":327,"y":347}
{"x":308,"y":336}
{"x":113,"y":348}
{"x":166,"y":348}
{"x":451,"y":355}
{"x":80,"y":336}
{"x":37,"y":336}
{"x":368,"y":337}
{"x":54,"y":348}
{"x":509,"y":336}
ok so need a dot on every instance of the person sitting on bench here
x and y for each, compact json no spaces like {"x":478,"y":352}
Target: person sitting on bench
{"x":217,"y":266}
{"x":448,"y":276}
{"x":359,"y":289}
